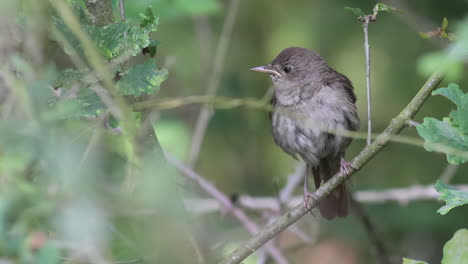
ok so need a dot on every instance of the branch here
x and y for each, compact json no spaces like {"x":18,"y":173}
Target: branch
{"x":213,"y":83}
{"x":402,"y":196}
{"x":448,"y":173}
{"x":100,"y":11}
{"x":395,"y":126}
{"x":226,"y":203}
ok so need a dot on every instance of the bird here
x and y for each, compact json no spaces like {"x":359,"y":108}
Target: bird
{"x":310,"y":104}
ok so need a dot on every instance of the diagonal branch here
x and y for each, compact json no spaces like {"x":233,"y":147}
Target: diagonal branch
{"x":395,"y":126}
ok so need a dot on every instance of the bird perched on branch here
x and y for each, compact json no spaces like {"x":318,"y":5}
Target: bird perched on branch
{"x":312,"y":103}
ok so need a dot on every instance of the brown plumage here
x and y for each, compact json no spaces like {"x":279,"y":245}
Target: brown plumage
{"x":310,"y":100}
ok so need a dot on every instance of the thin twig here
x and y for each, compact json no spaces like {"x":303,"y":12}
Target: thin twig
{"x":365,"y":27}
{"x":412,"y":123}
{"x":448,"y":173}
{"x":374,"y":237}
{"x":122,"y":13}
{"x":294,"y":180}
{"x":213,"y":83}
{"x":226,"y":204}
{"x":287,"y":219}
{"x":402,"y":196}
{"x":204,"y":37}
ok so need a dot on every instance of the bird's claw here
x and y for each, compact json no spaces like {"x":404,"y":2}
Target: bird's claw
{"x":345,"y":167}
{"x":306,"y":197}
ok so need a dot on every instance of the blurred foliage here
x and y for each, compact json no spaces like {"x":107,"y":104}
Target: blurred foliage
{"x":453,"y":130}
{"x":450,"y":60}
{"x":455,"y":250}
{"x":69,"y":189}
{"x":118,"y":41}
{"x":379,"y":7}
{"x":439,"y":32}
{"x":411,"y":261}
{"x":452,"y":196}
{"x":173,"y":8}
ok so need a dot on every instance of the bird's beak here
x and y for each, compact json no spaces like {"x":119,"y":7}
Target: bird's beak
{"x":266,"y":69}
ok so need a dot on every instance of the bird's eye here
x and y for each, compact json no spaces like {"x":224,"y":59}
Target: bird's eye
{"x":287,"y":69}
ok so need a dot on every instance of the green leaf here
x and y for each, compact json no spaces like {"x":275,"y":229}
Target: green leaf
{"x":452,"y":196}
{"x":424,"y":35}
{"x":411,"y":261}
{"x":438,"y":60}
{"x":379,"y":7}
{"x":443,"y":133}
{"x":142,"y":79}
{"x":456,"y":249}
{"x":358,"y":12}
{"x":111,"y":39}
{"x":454,"y":94}
{"x":444,"y":24}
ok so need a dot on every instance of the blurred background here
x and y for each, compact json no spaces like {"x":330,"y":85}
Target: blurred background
{"x":238,"y":154}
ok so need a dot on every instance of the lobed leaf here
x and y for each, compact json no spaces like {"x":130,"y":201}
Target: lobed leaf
{"x":142,"y":79}
{"x":452,"y":196}
{"x":452,"y":131}
{"x":117,"y":39}
{"x":456,"y":249}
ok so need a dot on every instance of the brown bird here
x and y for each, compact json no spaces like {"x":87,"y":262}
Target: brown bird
{"x":311,"y":101}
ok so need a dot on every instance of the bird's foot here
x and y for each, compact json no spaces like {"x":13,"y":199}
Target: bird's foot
{"x":345,"y":167}
{"x":306,"y":197}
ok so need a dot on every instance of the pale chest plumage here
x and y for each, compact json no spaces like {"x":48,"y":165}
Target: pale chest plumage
{"x":300,"y":127}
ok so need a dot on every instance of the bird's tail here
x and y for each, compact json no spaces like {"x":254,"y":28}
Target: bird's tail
{"x":337,"y":202}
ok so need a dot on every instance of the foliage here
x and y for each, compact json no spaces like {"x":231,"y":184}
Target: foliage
{"x":411,"y":261}
{"x":64,"y":167}
{"x":174,"y":8}
{"x":455,"y":250}
{"x":452,"y":131}
{"x":452,"y":196}
{"x":378,"y":8}
{"x":439,"y":32}
{"x":118,"y":42}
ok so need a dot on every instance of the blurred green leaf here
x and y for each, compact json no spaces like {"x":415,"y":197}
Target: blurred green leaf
{"x":444,"y":24}
{"x":48,"y":254}
{"x":174,"y":8}
{"x":438,"y":60}
{"x":424,"y":35}
{"x":142,"y":79}
{"x":452,"y":196}
{"x":411,"y":261}
{"x":111,"y":39}
{"x":456,"y":249}
{"x":379,"y":7}
{"x":357,"y":11}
